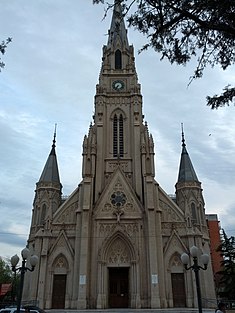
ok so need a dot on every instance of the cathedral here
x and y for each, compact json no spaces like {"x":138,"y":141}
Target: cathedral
{"x":116,"y":241}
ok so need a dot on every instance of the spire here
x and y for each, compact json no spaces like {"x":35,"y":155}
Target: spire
{"x":117,"y":30}
{"x":186,"y":170}
{"x":50,"y":172}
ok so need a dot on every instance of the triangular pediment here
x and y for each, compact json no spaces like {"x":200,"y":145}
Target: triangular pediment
{"x":174,"y":244}
{"x":61,"y":245}
{"x":170,"y":210}
{"x":66,"y":213}
{"x":118,"y":200}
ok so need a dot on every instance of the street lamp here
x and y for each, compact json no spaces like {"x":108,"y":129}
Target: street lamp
{"x":22,"y":269}
{"x":195,"y":267}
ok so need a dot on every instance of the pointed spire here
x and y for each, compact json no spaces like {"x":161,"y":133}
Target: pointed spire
{"x":53,"y":142}
{"x":117,"y":30}
{"x":50,"y":172}
{"x":182,"y":132}
{"x":186,"y":170}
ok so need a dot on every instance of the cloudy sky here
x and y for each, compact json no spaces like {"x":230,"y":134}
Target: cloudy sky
{"x":52,"y":67}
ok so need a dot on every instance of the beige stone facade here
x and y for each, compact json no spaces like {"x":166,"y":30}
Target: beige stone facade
{"x":116,"y":241}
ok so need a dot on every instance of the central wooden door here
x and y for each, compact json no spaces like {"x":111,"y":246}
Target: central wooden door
{"x":178,"y":290}
{"x":118,"y":287}
{"x":58,"y":294}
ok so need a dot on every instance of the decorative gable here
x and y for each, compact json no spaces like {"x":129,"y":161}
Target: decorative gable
{"x":66,"y":214}
{"x":61,"y":246}
{"x":118,"y":200}
{"x":170,"y":211}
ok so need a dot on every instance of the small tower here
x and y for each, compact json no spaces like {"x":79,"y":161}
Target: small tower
{"x":48,"y":191}
{"x":188,"y":190}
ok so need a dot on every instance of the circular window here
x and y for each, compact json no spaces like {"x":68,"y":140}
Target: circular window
{"x":118,"y":198}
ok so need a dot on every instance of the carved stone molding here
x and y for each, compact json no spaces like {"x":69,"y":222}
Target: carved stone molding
{"x":118,"y":253}
{"x":69,"y":215}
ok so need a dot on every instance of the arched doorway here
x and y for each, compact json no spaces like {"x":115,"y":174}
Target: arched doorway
{"x":117,"y":275}
{"x":177,"y":282}
{"x":59,"y":282}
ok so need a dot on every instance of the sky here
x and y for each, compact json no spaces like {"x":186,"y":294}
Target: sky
{"x":52,"y":68}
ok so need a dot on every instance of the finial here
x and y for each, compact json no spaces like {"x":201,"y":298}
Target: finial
{"x":183,"y":140}
{"x":53,"y":145}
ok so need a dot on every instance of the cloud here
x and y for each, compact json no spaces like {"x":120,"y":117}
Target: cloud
{"x":52,"y":68}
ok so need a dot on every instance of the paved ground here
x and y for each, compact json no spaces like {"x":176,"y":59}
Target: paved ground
{"x":174,"y":310}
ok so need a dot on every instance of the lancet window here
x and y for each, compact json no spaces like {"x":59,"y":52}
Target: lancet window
{"x":43,"y":214}
{"x":194,"y":213}
{"x":118,"y":140}
{"x":118,"y":60}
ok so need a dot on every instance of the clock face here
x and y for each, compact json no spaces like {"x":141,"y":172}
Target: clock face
{"x":118,"y":85}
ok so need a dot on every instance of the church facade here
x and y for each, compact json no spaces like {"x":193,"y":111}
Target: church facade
{"x":116,"y":241}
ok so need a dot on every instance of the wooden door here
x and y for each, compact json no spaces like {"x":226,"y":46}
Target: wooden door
{"x":178,"y":290}
{"x":118,"y":287}
{"x":59,"y":289}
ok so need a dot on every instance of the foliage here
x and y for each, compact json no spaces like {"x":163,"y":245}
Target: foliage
{"x":227,"y":281}
{"x":6,"y":277}
{"x":183,"y":29}
{"x":3,"y":47}
{"x":5,"y":272}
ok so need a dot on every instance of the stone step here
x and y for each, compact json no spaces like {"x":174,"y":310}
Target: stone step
{"x":173,"y":310}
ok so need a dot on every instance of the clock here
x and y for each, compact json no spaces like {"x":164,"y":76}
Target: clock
{"x":118,"y":198}
{"x":118,"y":85}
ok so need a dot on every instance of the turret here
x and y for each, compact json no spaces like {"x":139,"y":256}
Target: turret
{"x":48,"y":190}
{"x":188,"y":190}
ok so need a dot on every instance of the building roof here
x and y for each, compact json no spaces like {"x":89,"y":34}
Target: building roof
{"x":186,"y":170}
{"x":117,"y":29}
{"x":50,"y":172}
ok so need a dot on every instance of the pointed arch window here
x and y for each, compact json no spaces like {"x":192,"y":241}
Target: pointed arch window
{"x":202,"y":215}
{"x":194,"y":213}
{"x":118,"y":60}
{"x":118,"y":136}
{"x":43,"y":214}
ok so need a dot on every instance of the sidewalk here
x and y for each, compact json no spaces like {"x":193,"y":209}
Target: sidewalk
{"x":172,"y":310}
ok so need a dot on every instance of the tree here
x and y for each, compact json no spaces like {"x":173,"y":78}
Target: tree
{"x":3,"y":47}
{"x":183,"y":29}
{"x":227,"y":274}
{"x":8,"y":277}
{"x":5,"y":272}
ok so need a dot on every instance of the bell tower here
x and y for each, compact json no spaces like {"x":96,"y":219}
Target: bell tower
{"x":118,"y":188}
{"x":118,"y":136}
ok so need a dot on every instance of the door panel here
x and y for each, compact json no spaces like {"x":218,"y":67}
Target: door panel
{"x":178,"y":290}
{"x":118,"y":287}
{"x":58,"y":294}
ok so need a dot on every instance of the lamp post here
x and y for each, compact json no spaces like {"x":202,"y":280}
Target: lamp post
{"x":196,"y":267}
{"x":22,"y":269}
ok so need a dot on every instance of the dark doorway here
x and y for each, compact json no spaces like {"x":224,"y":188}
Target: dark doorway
{"x":58,"y":294}
{"x":178,"y":290}
{"x":118,"y":287}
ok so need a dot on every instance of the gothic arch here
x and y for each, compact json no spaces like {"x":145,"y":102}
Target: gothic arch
{"x":60,"y":264}
{"x":175,"y":263}
{"x":43,"y":213}
{"x":117,"y":112}
{"x":176,"y":281}
{"x":194,"y":213}
{"x":118,"y":60}
{"x":118,"y":125}
{"x":118,"y":250}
